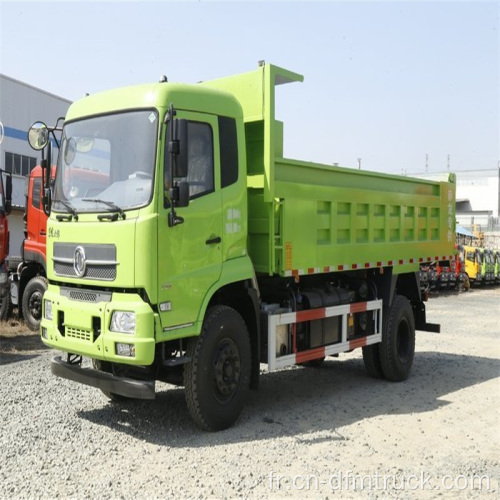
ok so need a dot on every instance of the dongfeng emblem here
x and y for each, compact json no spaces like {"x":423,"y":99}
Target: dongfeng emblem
{"x":79,"y":262}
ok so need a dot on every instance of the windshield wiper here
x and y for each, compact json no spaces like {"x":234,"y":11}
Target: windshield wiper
{"x":69,"y":208}
{"x":114,"y":207}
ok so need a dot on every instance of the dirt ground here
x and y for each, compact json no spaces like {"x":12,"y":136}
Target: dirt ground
{"x":328,"y":432}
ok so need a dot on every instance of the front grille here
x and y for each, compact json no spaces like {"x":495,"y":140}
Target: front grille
{"x":83,"y":295}
{"x":103,"y":273}
{"x":100,"y":261}
{"x":79,"y":334}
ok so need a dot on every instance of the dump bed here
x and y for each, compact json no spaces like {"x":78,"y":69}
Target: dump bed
{"x":307,"y":218}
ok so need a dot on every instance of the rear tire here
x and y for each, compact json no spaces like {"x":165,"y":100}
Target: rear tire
{"x":217,"y":379}
{"x":32,"y":302}
{"x":397,"y":348}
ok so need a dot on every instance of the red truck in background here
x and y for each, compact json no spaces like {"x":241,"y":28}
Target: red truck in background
{"x":5,"y":206}
{"x":29,"y":282}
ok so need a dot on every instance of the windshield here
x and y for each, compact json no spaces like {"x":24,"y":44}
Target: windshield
{"x":106,"y":163}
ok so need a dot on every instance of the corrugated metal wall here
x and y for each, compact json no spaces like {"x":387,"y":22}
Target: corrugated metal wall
{"x":22,"y":104}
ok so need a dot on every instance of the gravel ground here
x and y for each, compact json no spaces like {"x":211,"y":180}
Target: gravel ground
{"x":309,"y":433}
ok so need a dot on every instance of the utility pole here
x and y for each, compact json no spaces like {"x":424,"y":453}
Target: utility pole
{"x":359,"y":163}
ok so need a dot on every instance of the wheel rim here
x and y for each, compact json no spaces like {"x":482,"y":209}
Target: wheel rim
{"x":227,"y":370}
{"x":35,"y":305}
{"x":403,"y":341}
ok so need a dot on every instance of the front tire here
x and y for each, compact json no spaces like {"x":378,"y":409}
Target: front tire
{"x":5,"y":308}
{"x":32,"y":302}
{"x":397,"y":348}
{"x":217,"y":379}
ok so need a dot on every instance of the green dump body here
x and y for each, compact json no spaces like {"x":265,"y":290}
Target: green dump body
{"x":307,"y":218}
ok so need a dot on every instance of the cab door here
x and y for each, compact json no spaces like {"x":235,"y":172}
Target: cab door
{"x":189,"y":254}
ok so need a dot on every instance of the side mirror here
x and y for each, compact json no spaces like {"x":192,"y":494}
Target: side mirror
{"x":179,"y":148}
{"x":8,"y":193}
{"x":38,"y":136}
{"x":183,"y":200}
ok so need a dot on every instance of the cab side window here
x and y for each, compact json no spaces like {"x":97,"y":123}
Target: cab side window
{"x":37,"y":188}
{"x":200,"y":160}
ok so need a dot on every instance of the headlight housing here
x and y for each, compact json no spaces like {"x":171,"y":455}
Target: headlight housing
{"x":47,"y":305}
{"x":122,"y":322}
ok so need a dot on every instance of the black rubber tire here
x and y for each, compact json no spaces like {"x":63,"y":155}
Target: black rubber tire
{"x":5,"y":308}
{"x":397,"y":348}
{"x":217,"y":379}
{"x":101,"y":366}
{"x":32,"y":302}
{"x":371,"y":359}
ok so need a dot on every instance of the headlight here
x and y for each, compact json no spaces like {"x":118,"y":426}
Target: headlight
{"x":48,"y":309}
{"x":125,"y":350}
{"x":123,"y":322}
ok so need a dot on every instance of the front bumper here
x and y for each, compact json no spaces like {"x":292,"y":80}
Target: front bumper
{"x":81,"y":325}
{"x":137,"y":389}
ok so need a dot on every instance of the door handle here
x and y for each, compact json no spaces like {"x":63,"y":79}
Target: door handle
{"x":42,"y":233}
{"x":214,"y":240}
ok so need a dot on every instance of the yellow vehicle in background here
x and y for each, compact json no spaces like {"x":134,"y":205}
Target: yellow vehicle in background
{"x":474,"y":257}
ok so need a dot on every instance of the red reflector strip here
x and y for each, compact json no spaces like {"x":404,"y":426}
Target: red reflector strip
{"x":354,"y":266}
{"x":310,"y":270}
{"x":367,"y":264}
{"x":302,"y":357}
{"x":358,"y":307}
{"x":309,"y":315}
{"x":354,"y":344}
{"x":390,"y":263}
{"x":341,"y":268}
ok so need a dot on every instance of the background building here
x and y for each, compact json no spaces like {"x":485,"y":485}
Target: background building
{"x":21,"y":105}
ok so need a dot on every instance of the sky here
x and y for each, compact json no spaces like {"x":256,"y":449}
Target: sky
{"x":406,"y":86}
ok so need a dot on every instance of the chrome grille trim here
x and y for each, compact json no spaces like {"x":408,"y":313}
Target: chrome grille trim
{"x":100,"y":261}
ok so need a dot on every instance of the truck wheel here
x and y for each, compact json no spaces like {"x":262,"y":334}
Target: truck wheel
{"x":371,"y":359}
{"x":217,"y":379}
{"x":5,"y":308}
{"x":101,"y":366}
{"x":32,"y":302}
{"x":397,"y":348}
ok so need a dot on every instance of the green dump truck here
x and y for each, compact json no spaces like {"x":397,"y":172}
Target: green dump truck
{"x":192,"y":250}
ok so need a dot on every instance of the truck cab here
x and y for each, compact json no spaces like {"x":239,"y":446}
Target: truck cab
{"x":474,"y":258}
